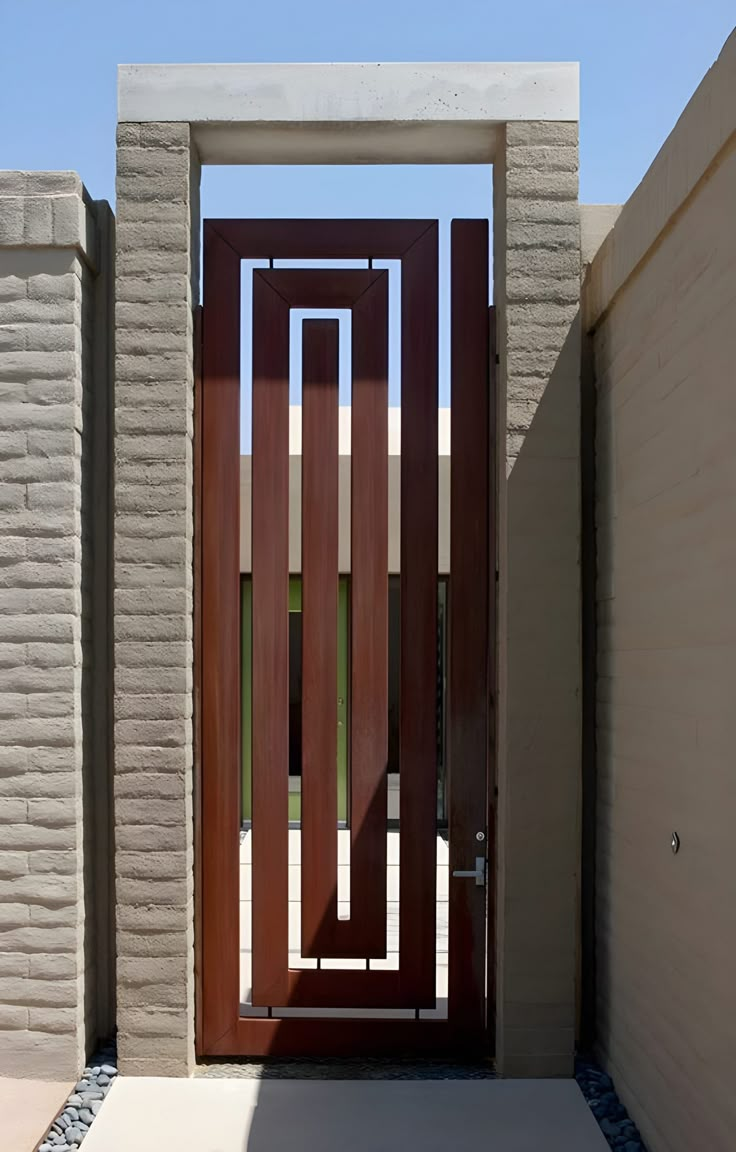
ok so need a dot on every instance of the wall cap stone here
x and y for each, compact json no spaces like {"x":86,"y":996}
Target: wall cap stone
{"x":704,"y":130}
{"x":47,"y":210}
{"x":596,"y":221}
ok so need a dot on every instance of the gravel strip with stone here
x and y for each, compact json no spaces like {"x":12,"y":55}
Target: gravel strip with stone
{"x":77,"y":1116}
{"x":350,"y":1068}
{"x":614,"y":1121}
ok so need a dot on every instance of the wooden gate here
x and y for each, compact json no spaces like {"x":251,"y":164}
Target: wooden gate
{"x":306,"y":1010}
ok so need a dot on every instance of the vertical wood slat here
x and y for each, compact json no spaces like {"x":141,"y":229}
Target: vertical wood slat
{"x":320,"y":366}
{"x":197,"y":692}
{"x":491,"y":774}
{"x":419,"y":533}
{"x":219,"y":617}
{"x":369,"y":617}
{"x":468,"y":617}
{"x":270,"y":582}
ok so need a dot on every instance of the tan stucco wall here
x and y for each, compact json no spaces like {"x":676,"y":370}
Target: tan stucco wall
{"x":596,"y":221}
{"x":394,"y":495}
{"x":661,"y":299}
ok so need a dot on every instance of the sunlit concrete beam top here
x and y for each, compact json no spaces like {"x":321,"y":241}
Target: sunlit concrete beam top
{"x":347,"y":113}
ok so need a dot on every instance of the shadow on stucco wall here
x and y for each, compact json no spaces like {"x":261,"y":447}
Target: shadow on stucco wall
{"x":539,"y":760}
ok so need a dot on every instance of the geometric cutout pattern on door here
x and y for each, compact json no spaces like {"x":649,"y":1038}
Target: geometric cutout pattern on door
{"x":324,"y":935}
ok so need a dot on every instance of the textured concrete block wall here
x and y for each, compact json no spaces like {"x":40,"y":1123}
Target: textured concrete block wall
{"x":537,"y":290}
{"x":51,"y":946}
{"x":661,"y":298}
{"x":157,"y":252}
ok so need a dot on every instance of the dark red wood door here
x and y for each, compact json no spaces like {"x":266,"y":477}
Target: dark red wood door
{"x":373,"y":937}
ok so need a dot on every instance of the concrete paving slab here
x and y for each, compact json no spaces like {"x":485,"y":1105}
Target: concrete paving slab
{"x":149,"y":1114}
{"x":27,"y":1108}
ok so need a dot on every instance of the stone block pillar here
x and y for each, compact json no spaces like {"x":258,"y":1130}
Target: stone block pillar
{"x":537,"y":291}
{"x":156,"y":278}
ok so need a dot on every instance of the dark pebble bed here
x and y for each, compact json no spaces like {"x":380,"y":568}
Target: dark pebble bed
{"x":77,"y":1116}
{"x":614,"y":1121}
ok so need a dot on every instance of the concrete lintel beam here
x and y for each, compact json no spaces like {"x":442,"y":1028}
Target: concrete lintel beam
{"x":346,"y":113}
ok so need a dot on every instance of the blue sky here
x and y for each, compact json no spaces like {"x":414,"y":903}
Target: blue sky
{"x":640,"y":62}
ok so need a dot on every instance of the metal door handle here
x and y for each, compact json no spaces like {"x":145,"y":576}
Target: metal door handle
{"x":479,"y":873}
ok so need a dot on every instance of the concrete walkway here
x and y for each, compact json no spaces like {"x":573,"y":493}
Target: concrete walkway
{"x":200,"y":1115}
{"x":27,"y":1107}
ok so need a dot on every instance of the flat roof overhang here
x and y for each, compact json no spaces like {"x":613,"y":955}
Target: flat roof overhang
{"x":347,"y":113}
